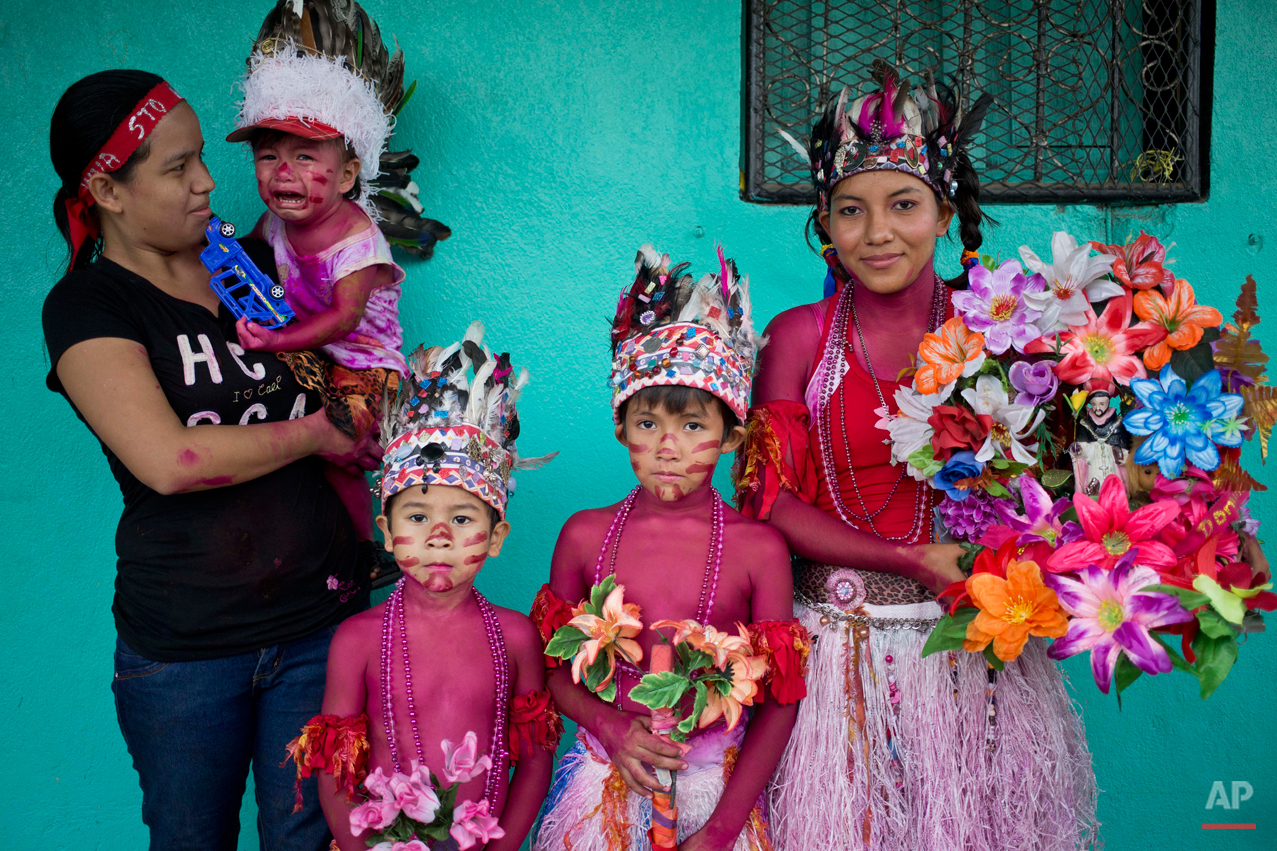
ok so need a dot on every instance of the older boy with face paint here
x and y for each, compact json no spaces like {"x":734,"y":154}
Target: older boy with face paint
{"x":680,"y":377}
{"x":452,"y":664}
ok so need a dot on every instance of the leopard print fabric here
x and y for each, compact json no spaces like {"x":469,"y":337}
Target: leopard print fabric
{"x":881,"y":589}
{"x":352,"y":397}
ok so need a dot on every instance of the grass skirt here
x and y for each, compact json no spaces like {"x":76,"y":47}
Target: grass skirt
{"x":591,"y":809}
{"x":929,"y":754}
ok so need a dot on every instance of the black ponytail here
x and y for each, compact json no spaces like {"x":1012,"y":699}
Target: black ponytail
{"x":84,"y":119}
{"x":966,"y":203}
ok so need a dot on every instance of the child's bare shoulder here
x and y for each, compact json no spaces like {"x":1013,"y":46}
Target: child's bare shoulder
{"x":521,"y":635}
{"x":359,"y":630}
{"x":589,"y":523}
{"x":761,"y":541}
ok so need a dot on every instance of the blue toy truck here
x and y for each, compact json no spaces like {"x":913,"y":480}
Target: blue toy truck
{"x":239,"y":283}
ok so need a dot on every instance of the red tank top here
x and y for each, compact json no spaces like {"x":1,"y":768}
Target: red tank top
{"x":878,"y":490}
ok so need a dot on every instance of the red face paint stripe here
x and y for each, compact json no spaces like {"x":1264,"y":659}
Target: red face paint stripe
{"x":638,"y":448}
{"x":475,"y":559}
{"x":403,"y":540}
{"x":477,"y":539}
{"x":410,"y":561}
{"x":709,"y":444}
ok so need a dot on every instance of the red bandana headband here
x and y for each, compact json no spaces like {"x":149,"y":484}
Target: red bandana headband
{"x":126,"y":139}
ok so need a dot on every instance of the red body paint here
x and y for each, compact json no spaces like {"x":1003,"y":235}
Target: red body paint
{"x":321,"y":180}
{"x":709,"y":444}
{"x":477,"y":539}
{"x":217,"y":481}
{"x":187,"y":457}
{"x":637,"y":448}
{"x":700,"y":468}
{"x":410,"y":561}
{"x":475,"y":559}
{"x":403,"y":540}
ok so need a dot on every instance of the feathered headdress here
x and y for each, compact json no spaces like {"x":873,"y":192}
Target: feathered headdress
{"x":320,"y":69}
{"x":919,"y":132}
{"x":670,"y":330}
{"x":454,"y":422}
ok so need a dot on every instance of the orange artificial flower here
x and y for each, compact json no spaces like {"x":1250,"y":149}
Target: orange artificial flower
{"x":612,"y":633}
{"x":947,"y":356}
{"x":1180,"y":318}
{"x":1011,"y":610}
{"x":734,"y":653}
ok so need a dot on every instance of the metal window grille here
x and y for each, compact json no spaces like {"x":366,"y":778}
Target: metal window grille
{"x":1095,"y":100}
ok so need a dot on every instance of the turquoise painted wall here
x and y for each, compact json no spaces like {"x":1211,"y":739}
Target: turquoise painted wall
{"x":556,"y":136}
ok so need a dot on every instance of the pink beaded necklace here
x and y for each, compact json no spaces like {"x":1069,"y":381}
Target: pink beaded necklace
{"x":393,"y":621}
{"x":837,"y":356}
{"x":713,"y":561}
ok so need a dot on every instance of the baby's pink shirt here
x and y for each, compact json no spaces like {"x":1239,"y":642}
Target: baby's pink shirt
{"x":308,"y":287}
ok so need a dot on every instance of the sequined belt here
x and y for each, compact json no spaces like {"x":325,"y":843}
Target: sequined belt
{"x":830,"y":613}
{"x":847,"y":588}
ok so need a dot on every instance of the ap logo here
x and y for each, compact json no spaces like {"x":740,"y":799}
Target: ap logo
{"x":1219,"y":797}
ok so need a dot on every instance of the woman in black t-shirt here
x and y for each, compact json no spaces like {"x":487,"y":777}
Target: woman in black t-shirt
{"x":235,"y":558}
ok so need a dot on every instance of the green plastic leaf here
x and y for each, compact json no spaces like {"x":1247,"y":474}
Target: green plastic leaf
{"x":1215,"y":658}
{"x":1055,"y":478}
{"x":1125,"y":673}
{"x":1187,"y":598}
{"x":1227,"y":604}
{"x":595,"y":674}
{"x":949,"y":633}
{"x":599,"y":593}
{"x":660,"y":691}
{"x":696,"y":659}
{"x":992,"y":658}
{"x":608,"y":694}
{"x":699,"y":702}
{"x":565,"y":642}
{"x":1247,"y":593}
{"x":1214,"y":625}
{"x":966,"y":561}
{"x":1178,"y":662}
{"x":924,"y":459}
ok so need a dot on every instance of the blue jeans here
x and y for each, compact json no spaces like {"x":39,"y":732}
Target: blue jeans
{"x":194,"y":728}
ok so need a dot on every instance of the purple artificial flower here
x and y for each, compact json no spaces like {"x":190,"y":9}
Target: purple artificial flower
{"x":1041,"y":518}
{"x":1035,"y":381}
{"x":969,"y":519}
{"x":995,"y":306}
{"x":1111,"y":616}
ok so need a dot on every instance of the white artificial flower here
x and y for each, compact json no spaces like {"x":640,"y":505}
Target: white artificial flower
{"x":909,"y":429}
{"x":1012,"y":423}
{"x":1074,"y":279}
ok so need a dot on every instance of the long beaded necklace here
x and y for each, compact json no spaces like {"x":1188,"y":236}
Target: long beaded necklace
{"x":837,"y":356}
{"x":393,"y":621}
{"x":713,"y":561}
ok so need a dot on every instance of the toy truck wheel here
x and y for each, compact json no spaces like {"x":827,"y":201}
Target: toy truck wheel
{"x":277,"y":291}
{"x":227,"y":229}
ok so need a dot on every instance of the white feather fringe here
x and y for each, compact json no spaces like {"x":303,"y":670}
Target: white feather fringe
{"x":1024,"y":783}
{"x":318,"y":88}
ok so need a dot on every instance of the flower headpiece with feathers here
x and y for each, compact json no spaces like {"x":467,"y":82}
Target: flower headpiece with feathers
{"x":454,"y":422}
{"x":323,"y":62}
{"x":671,"y":330}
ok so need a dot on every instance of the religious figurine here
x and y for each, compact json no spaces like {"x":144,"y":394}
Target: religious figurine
{"x":1101,"y":443}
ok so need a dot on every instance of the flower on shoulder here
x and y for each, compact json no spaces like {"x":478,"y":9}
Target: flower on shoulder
{"x":1073,"y":280}
{"x":1179,"y":320}
{"x":609,"y":633}
{"x":1112,"y":615}
{"x":1011,"y":610}
{"x":951,"y":353}
{"x":473,"y":824}
{"x":1101,"y":348}
{"x":1141,"y":264}
{"x":1183,"y":423}
{"x":996,"y":304}
{"x":1110,"y":530}
{"x":459,"y":763}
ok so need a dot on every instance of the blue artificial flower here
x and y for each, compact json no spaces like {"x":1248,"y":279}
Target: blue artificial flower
{"x":1182,"y":422}
{"x":961,"y":465}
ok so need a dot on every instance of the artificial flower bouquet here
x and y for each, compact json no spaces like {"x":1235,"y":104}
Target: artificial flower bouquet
{"x":602,"y":627}
{"x":721,"y":671}
{"x":413,"y":811}
{"x":1142,"y":537}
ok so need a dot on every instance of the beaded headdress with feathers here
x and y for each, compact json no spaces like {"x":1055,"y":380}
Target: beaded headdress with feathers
{"x":454,"y":422}
{"x":921,"y":131}
{"x":673,"y":330}
{"x":323,"y":62}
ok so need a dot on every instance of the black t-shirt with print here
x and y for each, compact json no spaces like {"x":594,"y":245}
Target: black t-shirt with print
{"x":232,"y":569}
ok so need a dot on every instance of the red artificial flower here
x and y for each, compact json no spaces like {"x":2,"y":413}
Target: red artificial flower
{"x":549,"y":613}
{"x":1103,"y":349}
{"x":994,"y":560}
{"x":957,"y":429}
{"x":1111,"y":529}
{"x":534,"y":719}
{"x":1140,"y":264}
{"x":334,"y":745}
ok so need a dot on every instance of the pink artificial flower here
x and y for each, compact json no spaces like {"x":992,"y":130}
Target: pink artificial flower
{"x":472,"y":824}
{"x":1110,"y":530}
{"x":1104,"y":348}
{"x":410,"y":845}
{"x":1112,"y":615}
{"x":1140,"y":265}
{"x":460,"y":766}
{"x":376,"y":814}
{"x":413,"y":794}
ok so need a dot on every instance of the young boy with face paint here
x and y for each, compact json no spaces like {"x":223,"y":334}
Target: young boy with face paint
{"x":455,"y":668}
{"x":681,"y":375}
{"x":317,"y":130}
